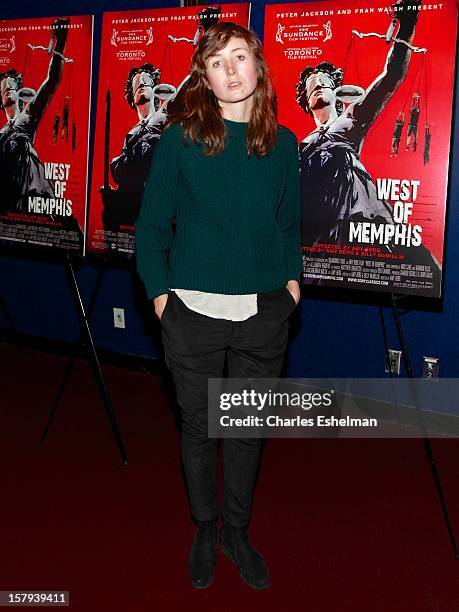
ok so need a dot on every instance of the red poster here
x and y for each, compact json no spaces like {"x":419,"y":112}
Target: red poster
{"x":45,"y":81}
{"x":145,"y":59}
{"x":368,"y":89}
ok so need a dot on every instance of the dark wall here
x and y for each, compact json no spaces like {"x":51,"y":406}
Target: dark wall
{"x":334,"y":333}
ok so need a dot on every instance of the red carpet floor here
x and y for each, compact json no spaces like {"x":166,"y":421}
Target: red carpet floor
{"x":344,"y":525}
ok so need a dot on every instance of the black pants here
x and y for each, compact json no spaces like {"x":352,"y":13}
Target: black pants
{"x":196,"y":347}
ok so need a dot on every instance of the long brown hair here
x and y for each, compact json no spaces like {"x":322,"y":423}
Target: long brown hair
{"x":200,"y":114}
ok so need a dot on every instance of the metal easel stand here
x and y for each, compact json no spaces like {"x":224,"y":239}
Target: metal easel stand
{"x":397,"y":313}
{"x":85,"y":333}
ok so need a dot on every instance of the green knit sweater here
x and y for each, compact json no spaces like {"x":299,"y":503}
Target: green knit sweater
{"x":237,"y":217}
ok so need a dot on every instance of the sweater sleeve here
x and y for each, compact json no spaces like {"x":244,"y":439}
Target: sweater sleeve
{"x":154,"y":234}
{"x":289,"y":213}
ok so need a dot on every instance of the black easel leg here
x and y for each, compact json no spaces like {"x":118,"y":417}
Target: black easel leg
{"x":425,"y":437}
{"x":93,"y":358}
{"x":71,"y":362}
{"x":57,"y":400}
{"x":388,"y":364}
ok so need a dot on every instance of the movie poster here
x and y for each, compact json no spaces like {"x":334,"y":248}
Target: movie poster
{"x":145,"y":59}
{"x":368,"y":88}
{"x":45,"y":87}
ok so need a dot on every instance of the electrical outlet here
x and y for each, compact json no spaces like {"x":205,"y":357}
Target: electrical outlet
{"x":118,"y":318}
{"x":394,"y":358}
{"x":430,"y":367}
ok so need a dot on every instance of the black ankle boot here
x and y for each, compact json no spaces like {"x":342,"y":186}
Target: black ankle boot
{"x":236,"y":546}
{"x":203,"y":554}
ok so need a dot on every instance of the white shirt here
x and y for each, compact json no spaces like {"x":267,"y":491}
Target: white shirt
{"x":219,"y":305}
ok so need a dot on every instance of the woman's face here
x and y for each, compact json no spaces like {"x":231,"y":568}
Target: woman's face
{"x":232,"y":72}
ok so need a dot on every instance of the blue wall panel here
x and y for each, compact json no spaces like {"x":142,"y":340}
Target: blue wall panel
{"x":336,"y":336}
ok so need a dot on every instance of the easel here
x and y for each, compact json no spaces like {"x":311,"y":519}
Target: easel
{"x":70,"y":263}
{"x":85,"y":333}
{"x":397,"y":314}
{"x":380,"y":301}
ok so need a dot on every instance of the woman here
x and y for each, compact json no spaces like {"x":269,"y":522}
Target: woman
{"x":225,"y":284}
